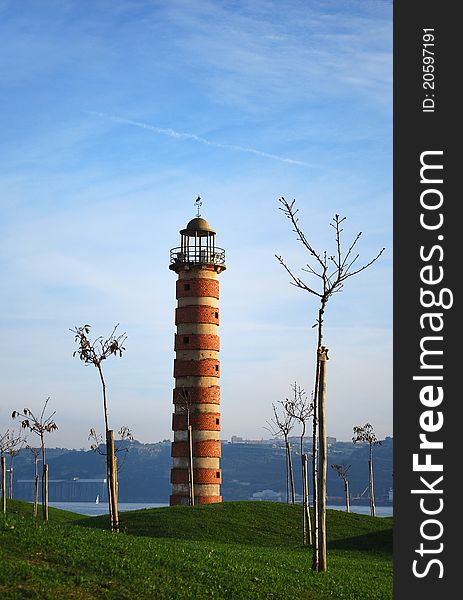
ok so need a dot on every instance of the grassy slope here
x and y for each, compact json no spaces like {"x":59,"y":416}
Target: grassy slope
{"x":231,"y":550}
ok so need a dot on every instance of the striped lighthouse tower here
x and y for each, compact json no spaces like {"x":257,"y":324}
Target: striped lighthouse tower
{"x":196,"y":450}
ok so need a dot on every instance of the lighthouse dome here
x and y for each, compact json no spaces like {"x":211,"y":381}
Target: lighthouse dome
{"x":198,"y":226}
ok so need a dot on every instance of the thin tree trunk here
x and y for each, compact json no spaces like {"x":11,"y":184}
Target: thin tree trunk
{"x":112,"y":487}
{"x":307,"y":521}
{"x":3,"y":463}
{"x":315,"y":471}
{"x":44,"y":480}
{"x":309,"y":518}
{"x":108,"y":489}
{"x":304,"y":512}
{"x":316,"y":525}
{"x":105,"y":405}
{"x":191,"y":466}
{"x":36,"y":484}
{"x":45,"y":492}
{"x":110,"y":460}
{"x":322,"y":563}
{"x":372,"y":491}
{"x":291,"y":474}
{"x":116,"y":479}
{"x":36,"y":494}
{"x":346,"y":489}
{"x":108,"y":482}
{"x":10,"y":481}
{"x":306,"y":508}
{"x":287,"y":474}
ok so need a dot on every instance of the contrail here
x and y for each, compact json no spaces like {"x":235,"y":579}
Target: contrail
{"x":179,"y":135}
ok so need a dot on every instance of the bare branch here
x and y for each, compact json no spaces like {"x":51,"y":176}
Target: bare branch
{"x":341,"y":470}
{"x":280,"y":424}
{"x":351,"y":247}
{"x":37,"y":426}
{"x":331,"y":281}
{"x":312,"y":271}
{"x":9,"y":442}
{"x":296,"y":281}
{"x":97,"y":441}
{"x":100,"y":349}
{"x":290,"y":212}
{"x":300,"y":407}
{"x":365,"y":266}
{"x":98,"y":444}
{"x":365,"y":434}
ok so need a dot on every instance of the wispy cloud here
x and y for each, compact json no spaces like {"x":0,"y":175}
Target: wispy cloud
{"x":282,"y":54}
{"x":180,"y":135}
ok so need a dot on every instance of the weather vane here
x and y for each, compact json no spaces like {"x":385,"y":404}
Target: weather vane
{"x":198,"y":206}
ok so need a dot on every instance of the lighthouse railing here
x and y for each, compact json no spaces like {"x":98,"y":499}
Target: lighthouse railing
{"x":197,"y":256}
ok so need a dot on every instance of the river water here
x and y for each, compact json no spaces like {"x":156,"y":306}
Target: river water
{"x":92,"y":509}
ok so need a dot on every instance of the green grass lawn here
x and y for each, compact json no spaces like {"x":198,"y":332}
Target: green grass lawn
{"x":231,"y":550}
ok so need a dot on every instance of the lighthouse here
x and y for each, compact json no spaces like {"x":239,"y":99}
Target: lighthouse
{"x":196,"y":475}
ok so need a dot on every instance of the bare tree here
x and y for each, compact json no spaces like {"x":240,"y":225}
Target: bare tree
{"x":15,"y":447}
{"x":282,"y":426}
{"x":342,"y":471}
{"x":125,"y":437}
{"x":94,"y":353}
{"x":3,"y":447}
{"x":8,"y":440}
{"x":40,"y":426}
{"x":330,"y":272}
{"x":35,"y":454}
{"x":98,"y":446}
{"x":301,"y":408}
{"x":366,"y":435}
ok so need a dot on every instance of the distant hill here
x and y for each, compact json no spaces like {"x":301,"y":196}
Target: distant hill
{"x":250,"y":471}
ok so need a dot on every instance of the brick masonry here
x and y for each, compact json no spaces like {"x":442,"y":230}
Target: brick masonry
{"x":199,"y":395}
{"x":197,"y":341}
{"x":200,"y":287}
{"x":204,"y":449}
{"x":199,"y":421}
{"x":197,"y":314}
{"x":177,"y":499}
{"x":209,"y":499}
{"x":207,"y":367}
{"x":200,"y":476}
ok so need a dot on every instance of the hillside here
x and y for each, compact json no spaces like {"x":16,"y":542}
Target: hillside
{"x":236,"y":550}
{"x":248,"y":471}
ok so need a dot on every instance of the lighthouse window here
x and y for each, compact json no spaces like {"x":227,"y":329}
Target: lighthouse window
{"x":216,"y":367}
{"x":216,"y":315}
{"x":186,"y":340}
{"x":218,"y":474}
{"x":217,"y":421}
{"x":186,"y":286}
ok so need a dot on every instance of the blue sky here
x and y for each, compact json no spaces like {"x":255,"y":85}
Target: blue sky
{"x":114,"y":116}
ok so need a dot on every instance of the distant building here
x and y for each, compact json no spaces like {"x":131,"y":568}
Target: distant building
{"x":268,"y":495}
{"x":75,"y":489}
{"x":236,"y":439}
